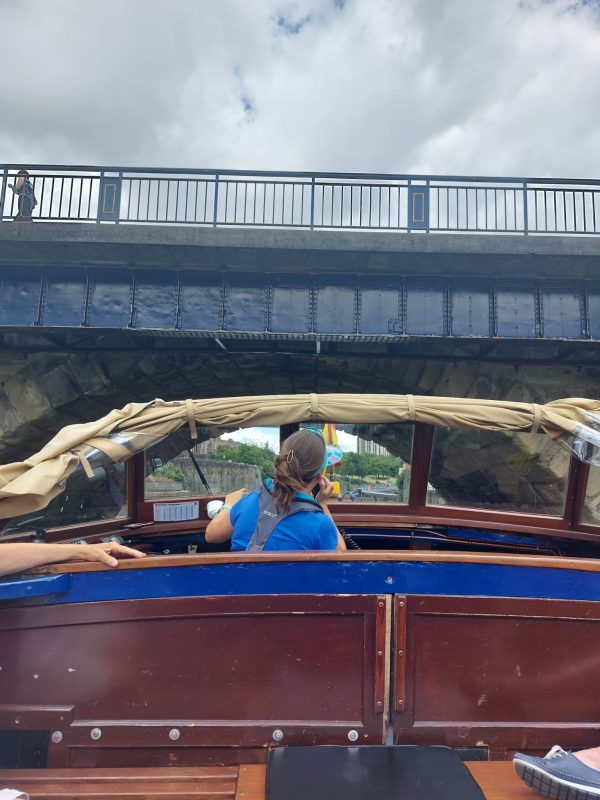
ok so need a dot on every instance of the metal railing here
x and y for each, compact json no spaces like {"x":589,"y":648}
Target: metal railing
{"x":340,"y":201}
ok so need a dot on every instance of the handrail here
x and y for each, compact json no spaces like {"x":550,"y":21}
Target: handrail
{"x":308,"y":200}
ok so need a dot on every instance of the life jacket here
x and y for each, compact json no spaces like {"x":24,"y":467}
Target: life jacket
{"x":269,"y":517}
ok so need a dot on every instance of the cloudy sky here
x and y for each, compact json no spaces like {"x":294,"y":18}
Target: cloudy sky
{"x":471,"y":87}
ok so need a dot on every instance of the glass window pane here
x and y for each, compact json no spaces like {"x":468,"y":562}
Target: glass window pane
{"x":84,"y":499}
{"x":376,"y":464}
{"x":221,"y":462}
{"x":498,"y":471}
{"x":591,"y":508}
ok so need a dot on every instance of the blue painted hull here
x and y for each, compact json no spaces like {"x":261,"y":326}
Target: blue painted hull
{"x":329,"y":577}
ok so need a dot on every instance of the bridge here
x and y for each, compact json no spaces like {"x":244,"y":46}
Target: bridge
{"x":133,"y":283}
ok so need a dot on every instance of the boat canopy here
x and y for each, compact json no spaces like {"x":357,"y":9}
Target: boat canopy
{"x":31,"y":484}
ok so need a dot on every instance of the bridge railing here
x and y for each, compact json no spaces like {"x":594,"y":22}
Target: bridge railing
{"x":306,"y":200}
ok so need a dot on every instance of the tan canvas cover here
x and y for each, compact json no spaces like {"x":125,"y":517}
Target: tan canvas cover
{"x":30,"y":485}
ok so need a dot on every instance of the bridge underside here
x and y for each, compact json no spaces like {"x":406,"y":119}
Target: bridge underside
{"x":94,"y":316}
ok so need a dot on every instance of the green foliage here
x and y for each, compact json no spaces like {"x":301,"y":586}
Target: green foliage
{"x":171,"y":472}
{"x":369,"y":464}
{"x":260,"y":456}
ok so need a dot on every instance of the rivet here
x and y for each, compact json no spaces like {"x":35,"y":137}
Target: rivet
{"x":389,"y":579}
{"x":56,"y":737}
{"x":380,"y":605}
{"x":36,"y":676}
{"x":95,"y":734}
{"x":277,"y":735}
{"x":380,"y":702}
{"x":401,"y":604}
{"x":174,"y":734}
{"x":380,"y":652}
{"x":400,"y":652}
{"x":17,"y":720}
{"x":353,"y":736}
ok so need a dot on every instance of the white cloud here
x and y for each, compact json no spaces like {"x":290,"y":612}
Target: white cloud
{"x":437,"y":86}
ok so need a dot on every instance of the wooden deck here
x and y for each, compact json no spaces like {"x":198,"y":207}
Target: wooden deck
{"x":247,"y":782}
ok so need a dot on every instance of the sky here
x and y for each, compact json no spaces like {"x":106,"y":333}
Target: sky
{"x":440,"y":87}
{"x":270,"y":437}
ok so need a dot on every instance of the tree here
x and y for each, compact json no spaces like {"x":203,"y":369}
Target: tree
{"x":171,"y":472}
{"x":260,"y":456}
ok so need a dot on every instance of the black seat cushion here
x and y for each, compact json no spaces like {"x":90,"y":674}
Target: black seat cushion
{"x":328,"y":772}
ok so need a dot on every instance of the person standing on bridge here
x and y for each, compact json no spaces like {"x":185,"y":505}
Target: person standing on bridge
{"x":23,"y":188}
{"x":283,"y":514}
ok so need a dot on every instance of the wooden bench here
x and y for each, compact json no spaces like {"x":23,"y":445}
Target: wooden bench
{"x":247,"y":782}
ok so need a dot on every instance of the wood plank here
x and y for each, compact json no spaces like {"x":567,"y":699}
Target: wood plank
{"x":251,"y":782}
{"x":499,"y":781}
{"x":169,"y":783}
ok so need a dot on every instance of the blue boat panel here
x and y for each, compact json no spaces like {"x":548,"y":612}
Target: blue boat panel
{"x":335,"y":300}
{"x":63,"y":303}
{"x":291,"y":304}
{"x":470,"y":313}
{"x":110,"y":298}
{"x":425,"y":308}
{"x":19,"y":296}
{"x":331,"y":577}
{"x":380,"y":307}
{"x":155,"y":299}
{"x":246,"y":302}
{"x":19,"y":588}
{"x":561,"y":311}
{"x":201,"y":301}
{"x":516,"y":311}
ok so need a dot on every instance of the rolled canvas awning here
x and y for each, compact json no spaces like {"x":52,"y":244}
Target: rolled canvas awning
{"x":30,"y":485}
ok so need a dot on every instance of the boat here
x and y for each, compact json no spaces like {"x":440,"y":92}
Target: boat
{"x":465,"y":612}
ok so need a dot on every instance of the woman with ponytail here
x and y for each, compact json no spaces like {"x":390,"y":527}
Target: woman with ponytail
{"x":283,"y":515}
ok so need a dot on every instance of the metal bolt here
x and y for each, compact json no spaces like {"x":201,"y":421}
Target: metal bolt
{"x":380,"y":605}
{"x":95,"y":734}
{"x":401,"y":604}
{"x":174,"y":734}
{"x":389,"y":579}
{"x":277,"y":735}
{"x":353,"y":736}
{"x":400,"y":652}
{"x":380,"y":652}
{"x":56,"y":737}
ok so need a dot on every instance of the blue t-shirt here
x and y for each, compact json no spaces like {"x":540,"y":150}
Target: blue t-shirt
{"x":301,"y":531}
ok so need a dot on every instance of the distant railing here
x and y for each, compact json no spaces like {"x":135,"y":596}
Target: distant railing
{"x":341,"y":201}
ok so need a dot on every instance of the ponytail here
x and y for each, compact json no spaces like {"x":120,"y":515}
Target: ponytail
{"x":298,"y":463}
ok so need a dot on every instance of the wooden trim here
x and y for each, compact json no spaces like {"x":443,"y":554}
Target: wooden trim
{"x":400,"y":619}
{"x":381,"y":615}
{"x":404,"y":556}
{"x":422,"y":445}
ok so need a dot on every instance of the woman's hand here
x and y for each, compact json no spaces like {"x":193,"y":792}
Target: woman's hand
{"x":104,"y":552}
{"x":325,"y":490}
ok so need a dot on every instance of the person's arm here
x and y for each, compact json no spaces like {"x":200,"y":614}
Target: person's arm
{"x":220,"y":529}
{"x":20,"y":556}
{"x":325,"y":490}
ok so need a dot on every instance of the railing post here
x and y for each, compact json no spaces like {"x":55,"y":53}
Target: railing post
{"x":525,"y":211}
{"x":119,"y":193}
{"x":312,"y":204}
{"x":3,"y":192}
{"x":216,"y":203}
{"x":100,"y":189}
